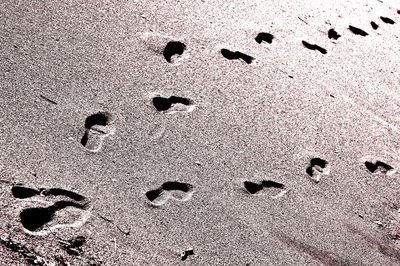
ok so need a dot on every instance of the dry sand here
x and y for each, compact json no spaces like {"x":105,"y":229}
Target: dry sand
{"x":317,"y":116}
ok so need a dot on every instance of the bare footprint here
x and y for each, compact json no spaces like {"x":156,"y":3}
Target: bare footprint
{"x":45,"y":216}
{"x":172,"y":49}
{"x":272,"y":188}
{"x":97,"y":127}
{"x":172,"y":104}
{"x":170,"y":190}
{"x":379,"y":167}
{"x":317,"y":168}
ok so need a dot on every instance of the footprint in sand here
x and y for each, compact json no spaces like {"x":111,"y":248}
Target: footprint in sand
{"x":314,"y":47}
{"x":172,"y":104}
{"x":387,"y":20}
{"x":170,"y":190}
{"x":374,"y":25}
{"x":230,"y":55}
{"x":317,"y":168}
{"x":332,"y":34}
{"x":173,"y":49}
{"x":272,"y":188}
{"x":378,"y":167}
{"x":264,"y":37}
{"x":97,"y":127}
{"x":48,"y":216}
{"x":357,"y":31}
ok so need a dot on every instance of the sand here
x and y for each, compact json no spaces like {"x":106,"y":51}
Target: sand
{"x":94,"y":171}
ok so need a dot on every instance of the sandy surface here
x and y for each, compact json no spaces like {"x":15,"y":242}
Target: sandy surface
{"x":139,"y":186}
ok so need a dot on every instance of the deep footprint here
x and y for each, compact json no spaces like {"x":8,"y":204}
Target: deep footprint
{"x":254,"y":188}
{"x":173,"y":48}
{"x":97,"y":127}
{"x":163,"y":104}
{"x":236,"y":55}
{"x":35,"y":218}
{"x":169,"y":186}
{"x":317,"y":167}
{"x":378,"y":167}
{"x":332,"y":34}
{"x":374,"y":25}
{"x":357,"y":31}
{"x":176,"y":190}
{"x":387,"y":20}
{"x":314,"y":47}
{"x":21,"y":192}
{"x":264,"y":37}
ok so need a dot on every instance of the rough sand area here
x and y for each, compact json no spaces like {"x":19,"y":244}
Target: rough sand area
{"x":200,"y":132}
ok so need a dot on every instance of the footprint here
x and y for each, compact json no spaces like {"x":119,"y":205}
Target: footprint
{"x":263,"y":36}
{"x":357,"y":31}
{"x":35,"y":219}
{"x":173,"y":48}
{"x":236,"y":55}
{"x":379,"y":167}
{"x":314,"y":47}
{"x":374,"y":25}
{"x":332,"y":34}
{"x":317,"y":168}
{"x":170,"y":190}
{"x":387,"y":20}
{"x":274,"y":188}
{"x":97,"y":127}
{"x":174,"y":103}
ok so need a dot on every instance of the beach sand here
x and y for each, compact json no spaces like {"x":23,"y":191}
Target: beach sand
{"x":148,"y":133}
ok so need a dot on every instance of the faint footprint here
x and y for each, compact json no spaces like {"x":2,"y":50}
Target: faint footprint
{"x":173,"y":48}
{"x":35,"y":219}
{"x":314,"y":47}
{"x":379,"y":167}
{"x":374,"y":25}
{"x":236,"y":55}
{"x":264,"y":37}
{"x":387,"y":20}
{"x":170,"y":190}
{"x":317,"y":168}
{"x":97,"y":127}
{"x":357,"y":31}
{"x":275,"y":188}
{"x":173,"y":104}
{"x":332,"y":34}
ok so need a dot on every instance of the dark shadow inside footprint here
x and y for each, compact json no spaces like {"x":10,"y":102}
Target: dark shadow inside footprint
{"x":153,"y":194}
{"x":273,"y":184}
{"x":252,"y":188}
{"x":332,"y":34}
{"x":187,"y":253}
{"x":357,"y":31}
{"x":374,"y":25}
{"x":236,"y":55}
{"x":163,"y":104}
{"x":263,"y":36}
{"x":315,"y":162}
{"x":314,"y":47}
{"x":24,"y":192}
{"x":100,"y":118}
{"x":387,"y":20}
{"x":35,"y":218}
{"x":172,"y":185}
{"x":173,"y":48}
{"x":372,"y":167}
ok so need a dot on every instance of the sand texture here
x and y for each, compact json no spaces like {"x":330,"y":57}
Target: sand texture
{"x":200,"y":132}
